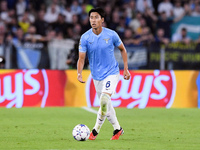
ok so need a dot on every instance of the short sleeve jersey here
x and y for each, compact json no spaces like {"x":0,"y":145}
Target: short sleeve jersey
{"x":100,"y":52}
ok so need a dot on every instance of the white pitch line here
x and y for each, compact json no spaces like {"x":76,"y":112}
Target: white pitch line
{"x":90,"y":110}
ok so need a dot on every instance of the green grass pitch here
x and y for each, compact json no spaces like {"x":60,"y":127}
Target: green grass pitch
{"x":145,"y":129}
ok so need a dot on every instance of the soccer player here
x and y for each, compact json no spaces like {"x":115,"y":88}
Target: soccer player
{"x":99,"y":43}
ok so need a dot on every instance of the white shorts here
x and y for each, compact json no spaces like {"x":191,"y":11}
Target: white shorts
{"x":107,"y":85}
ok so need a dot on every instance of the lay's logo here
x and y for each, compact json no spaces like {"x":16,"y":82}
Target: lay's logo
{"x":32,"y":88}
{"x":143,"y":89}
{"x":20,"y":85}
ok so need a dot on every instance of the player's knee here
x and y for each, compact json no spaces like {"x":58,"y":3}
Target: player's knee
{"x":104,"y":103}
{"x":104,"y":98}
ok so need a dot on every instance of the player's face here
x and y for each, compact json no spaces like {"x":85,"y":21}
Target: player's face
{"x":96,"y":20}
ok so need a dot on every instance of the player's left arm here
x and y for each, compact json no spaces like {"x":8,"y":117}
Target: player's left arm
{"x":126,"y":73}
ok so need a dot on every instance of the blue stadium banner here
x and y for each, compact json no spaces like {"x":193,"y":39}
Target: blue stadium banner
{"x":192,"y":24}
{"x":28,"y":58}
{"x":31,"y":55}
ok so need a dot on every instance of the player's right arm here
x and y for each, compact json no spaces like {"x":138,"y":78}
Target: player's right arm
{"x":80,"y":65}
{"x":81,"y":59}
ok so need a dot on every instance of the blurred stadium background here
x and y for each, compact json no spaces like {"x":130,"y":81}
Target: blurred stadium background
{"x":38,"y":55}
{"x":159,"y":34}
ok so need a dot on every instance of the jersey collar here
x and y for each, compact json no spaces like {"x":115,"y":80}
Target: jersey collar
{"x":98,"y":34}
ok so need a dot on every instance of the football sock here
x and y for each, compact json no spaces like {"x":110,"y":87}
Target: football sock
{"x":100,"y":120}
{"x":104,"y":99}
{"x":111,"y":116}
{"x":101,"y":115}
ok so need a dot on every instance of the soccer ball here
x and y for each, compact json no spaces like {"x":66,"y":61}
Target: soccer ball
{"x":81,"y":132}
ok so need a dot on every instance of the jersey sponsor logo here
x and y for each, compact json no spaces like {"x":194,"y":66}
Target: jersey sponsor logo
{"x":152,"y":89}
{"x":107,"y":40}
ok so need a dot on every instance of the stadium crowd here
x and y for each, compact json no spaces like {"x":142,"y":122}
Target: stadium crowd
{"x":138,"y":22}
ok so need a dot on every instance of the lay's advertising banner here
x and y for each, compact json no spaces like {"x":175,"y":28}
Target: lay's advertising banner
{"x":170,"y":89}
{"x":50,"y":88}
{"x":32,"y":88}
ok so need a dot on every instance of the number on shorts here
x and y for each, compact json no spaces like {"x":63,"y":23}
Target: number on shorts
{"x":108,"y":84}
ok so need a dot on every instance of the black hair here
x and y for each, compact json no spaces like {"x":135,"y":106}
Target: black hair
{"x":99,"y":10}
{"x":183,"y":29}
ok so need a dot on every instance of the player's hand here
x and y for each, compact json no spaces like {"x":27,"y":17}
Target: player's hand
{"x":79,"y":77}
{"x":126,"y":74}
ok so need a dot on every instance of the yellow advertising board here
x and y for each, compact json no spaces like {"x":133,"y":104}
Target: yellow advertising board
{"x":75,"y":94}
{"x":186,"y":89}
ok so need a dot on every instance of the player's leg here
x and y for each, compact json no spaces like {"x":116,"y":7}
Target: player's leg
{"x":111,"y":85}
{"x":107,"y":86}
{"x":112,"y":118}
{"x":106,"y":110}
{"x":101,"y":115}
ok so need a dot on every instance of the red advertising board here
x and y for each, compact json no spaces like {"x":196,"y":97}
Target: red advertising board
{"x":29,"y":88}
{"x":144,"y":89}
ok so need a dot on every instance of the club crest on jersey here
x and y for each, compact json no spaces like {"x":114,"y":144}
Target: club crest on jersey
{"x":107,"y":40}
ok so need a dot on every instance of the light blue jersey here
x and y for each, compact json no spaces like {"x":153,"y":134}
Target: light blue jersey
{"x":100,"y":51}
